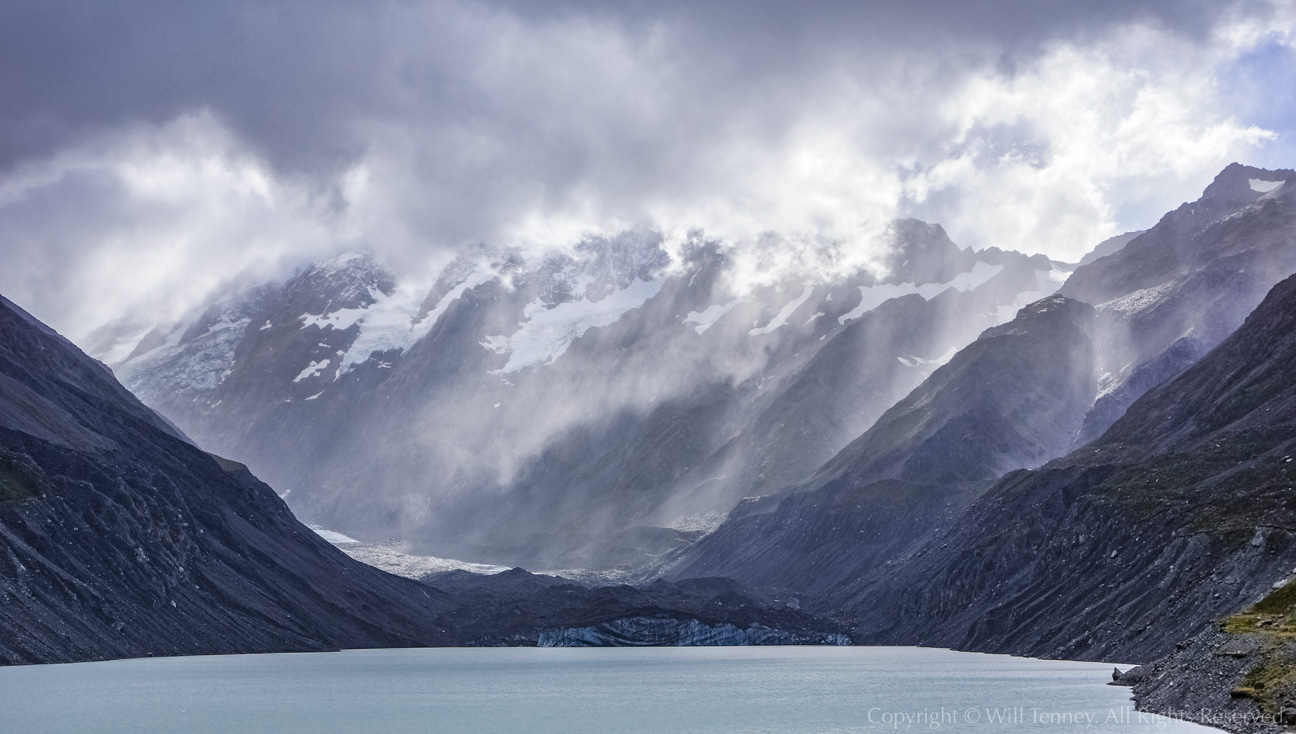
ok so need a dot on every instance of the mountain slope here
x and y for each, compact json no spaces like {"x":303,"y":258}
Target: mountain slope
{"x":1180,"y":513}
{"x":1175,"y":291}
{"x":118,"y":538}
{"x":1012,"y":398}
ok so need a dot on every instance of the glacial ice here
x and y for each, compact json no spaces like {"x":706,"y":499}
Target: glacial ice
{"x":545,"y":333}
{"x":209,"y":358}
{"x":392,"y":557}
{"x":667,"y":631}
{"x":390,"y":325}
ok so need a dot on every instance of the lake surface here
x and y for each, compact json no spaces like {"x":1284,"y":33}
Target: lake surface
{"x":596,"y":690}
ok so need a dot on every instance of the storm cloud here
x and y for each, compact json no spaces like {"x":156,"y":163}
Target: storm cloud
{"x":151,"y":151}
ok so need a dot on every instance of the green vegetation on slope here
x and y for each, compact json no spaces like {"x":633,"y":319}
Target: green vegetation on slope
{"x":1272,"y":682}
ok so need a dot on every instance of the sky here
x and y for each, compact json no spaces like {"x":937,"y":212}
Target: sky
{"x":150,"y":152}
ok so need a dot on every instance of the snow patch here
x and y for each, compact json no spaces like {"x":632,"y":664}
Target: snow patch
{"x":707,"y":317}
{"x":782,"y":317}
{"x":1263,"y":186}
{"x":872,"y":296}
{"x":1059,"y":275}
{"x":704,"y":523}
{"x":341,"y":319}
{"x":545,"y":333}
{"x":392,"y":323}
{"x":497,"y":344}
{"x":1108,"y":382}
{"x":312,"y":370}
{"x":912,"y":361}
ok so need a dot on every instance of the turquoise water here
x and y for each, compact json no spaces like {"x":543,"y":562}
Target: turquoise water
{"x":730,"y":689}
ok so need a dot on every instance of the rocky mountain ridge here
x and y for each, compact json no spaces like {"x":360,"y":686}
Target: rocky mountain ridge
{"x":595,"y":408}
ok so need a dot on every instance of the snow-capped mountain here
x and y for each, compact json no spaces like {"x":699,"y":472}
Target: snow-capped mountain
{"x":1174,"y":292}
{"x":595,"y":407}
{"x":921,"y":530}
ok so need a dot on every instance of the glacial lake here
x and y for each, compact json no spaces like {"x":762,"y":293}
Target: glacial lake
{"x":596,"y":690}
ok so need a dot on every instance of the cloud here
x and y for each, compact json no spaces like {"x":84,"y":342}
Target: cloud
{"x":1087,"y":142}
{"x":150,"y":219}
{"x":149,"y":151}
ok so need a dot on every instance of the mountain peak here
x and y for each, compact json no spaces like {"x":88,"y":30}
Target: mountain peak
{"x":350,"y":280}
{"x":1238,"y":185}
{"x":923,"y":253}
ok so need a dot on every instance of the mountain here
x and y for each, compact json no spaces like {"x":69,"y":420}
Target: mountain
{"x":1109,"y":246}
{"x":1179,"y":514}
{"x":120,"y":538}
{"x":1175,"y":291}
{"x":1012,"y":399}
{"x":598,"y":407}
{"x":1244,"y":403}
{"x":1008,"y":400}
{"x":1014,"y":402}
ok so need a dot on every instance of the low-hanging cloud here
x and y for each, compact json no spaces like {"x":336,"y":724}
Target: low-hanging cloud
{"x":151,"y":151}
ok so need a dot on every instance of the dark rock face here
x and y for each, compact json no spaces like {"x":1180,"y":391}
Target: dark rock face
{"x":1011,"y":399}
{"x":1109,"y":246}
{"x":118,"y":538}
{"x":670,"y":632}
